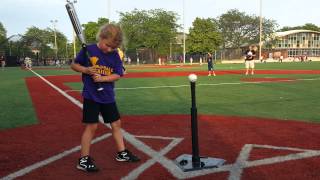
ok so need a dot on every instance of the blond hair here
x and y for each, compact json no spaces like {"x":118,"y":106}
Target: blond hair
{"x":112,"y":33}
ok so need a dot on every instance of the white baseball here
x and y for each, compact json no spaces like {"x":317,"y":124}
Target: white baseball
{"x":192,"y":77}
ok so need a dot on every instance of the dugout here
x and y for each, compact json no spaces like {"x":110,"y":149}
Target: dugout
{"x":12,"y":61}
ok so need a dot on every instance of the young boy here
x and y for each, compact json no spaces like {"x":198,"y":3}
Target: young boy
{"x":102,"y":70}
{"x":210,"y":66}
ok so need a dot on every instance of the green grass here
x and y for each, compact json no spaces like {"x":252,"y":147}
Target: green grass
{"x":295,"y":100}
{"x":16,"y":105}
{"x":280,"y":100}
{"x":286,"y":100}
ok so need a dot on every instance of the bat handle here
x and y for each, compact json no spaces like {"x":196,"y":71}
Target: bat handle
{"x":84,"y":47}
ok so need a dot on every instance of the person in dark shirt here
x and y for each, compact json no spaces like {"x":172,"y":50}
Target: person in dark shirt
{"x":249,"y":54}
{"x":210,"y":66}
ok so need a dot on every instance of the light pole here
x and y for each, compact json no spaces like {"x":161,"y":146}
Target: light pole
{"x":109,"y":9}
{"x":260,"y":31}
{"x":66,"y":49}
{"x":9,"y":48}
{"x":170,"y":56}
{"x":184,"y":34}
{"x":54,"y":22}
{"x":74,"y":45}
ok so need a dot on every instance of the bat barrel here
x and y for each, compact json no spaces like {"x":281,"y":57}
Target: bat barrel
{"x":75,"y":22}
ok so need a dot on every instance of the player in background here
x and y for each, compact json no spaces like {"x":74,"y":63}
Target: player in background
{"x":121,"y":55}
{"x":210,"y":66}
{"x":250,"y":54}
{"x":28,"y":62}
{"x":2,"y":62}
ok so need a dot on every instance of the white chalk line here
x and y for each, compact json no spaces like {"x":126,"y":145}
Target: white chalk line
{"x":134,"y":174}
{"x":51,"y":159}
{"x":242,"y":162}
{"x":207,"y":84}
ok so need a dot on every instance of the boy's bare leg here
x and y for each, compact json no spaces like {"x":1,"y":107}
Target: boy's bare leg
{"x":117,"y":135}
{"x":86,"y":138}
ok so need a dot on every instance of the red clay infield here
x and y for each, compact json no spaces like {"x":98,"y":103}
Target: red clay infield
{"x":275,"y":149}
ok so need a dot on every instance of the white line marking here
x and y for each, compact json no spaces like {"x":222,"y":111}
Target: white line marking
{"x":242,"y":161}
{"x":157,"y":137}
{"x":134,"y":174}
{"x":208,"y":84}
{"x":73,"y":100}
{"x":45,"y":162}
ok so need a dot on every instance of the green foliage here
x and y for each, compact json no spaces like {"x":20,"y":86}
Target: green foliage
{"x":91,"y":29}
{"x":3,"y":34}
{"x":133,"y":26}
{"x":203,"y":36}
{"x":36,"y":38}
{"x":153,"y":29}
{"x":238,"y":28}
{"x":307,"y":26}
{"x":44,"y":40}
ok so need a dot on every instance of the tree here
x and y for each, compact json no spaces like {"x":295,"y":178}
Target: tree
{"x":312,"y":27}
{"x":43,"y":40}
{"x":61,"y":40}
{"x":307,"y":26}
{"x":34,"y":38}
{"x":237,"y":28}
{"x":161,"y":28}
{"x":203,"y":36}
{"x":3,"y":34}
{"x":133,"y":25}
{"x":91,"y":29}
{"x":153,"y":29}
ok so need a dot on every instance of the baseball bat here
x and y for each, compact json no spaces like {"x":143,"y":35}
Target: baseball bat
{"x":79,"y":32}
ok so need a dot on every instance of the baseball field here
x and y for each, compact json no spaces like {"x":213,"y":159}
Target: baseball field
{"x":266,"y":125}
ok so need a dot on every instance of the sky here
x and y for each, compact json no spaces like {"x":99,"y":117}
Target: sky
{"x":19,"y":15}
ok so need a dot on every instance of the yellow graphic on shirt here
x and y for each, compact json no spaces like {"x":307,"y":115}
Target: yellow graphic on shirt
{"x":100,"y":69}
{"x":94,"y":60}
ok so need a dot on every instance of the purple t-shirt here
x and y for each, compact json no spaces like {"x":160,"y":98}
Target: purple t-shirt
{"x":106,"y":64}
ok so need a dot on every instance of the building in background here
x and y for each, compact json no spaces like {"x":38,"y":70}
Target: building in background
{"x":297,"y":43}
